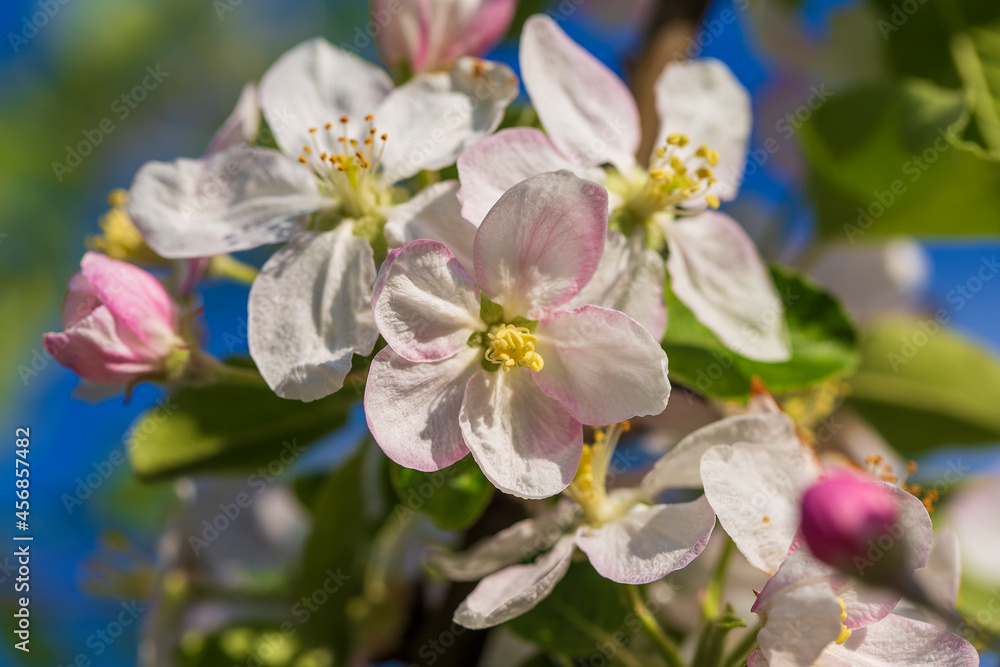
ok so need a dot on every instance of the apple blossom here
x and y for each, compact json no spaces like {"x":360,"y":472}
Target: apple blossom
{"x":120,"y":324}
{"x":328,"y":192}
{"x":429,"y":35}
{"x":436,"y":393}
{"x":592,"y":121}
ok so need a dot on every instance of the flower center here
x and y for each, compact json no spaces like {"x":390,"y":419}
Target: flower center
{"x":845,"y":632}
{"x":589,"y":486}
{"x":511,"y":346}
{"x":347,"y":169}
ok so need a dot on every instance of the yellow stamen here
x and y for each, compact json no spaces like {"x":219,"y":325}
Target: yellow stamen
{"x":512,"y":346}
{"x":845,"y":632}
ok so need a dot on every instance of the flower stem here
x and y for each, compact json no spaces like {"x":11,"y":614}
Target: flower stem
{"x":237,"y":375}
{"x":739,"y":655}
{"x":652,"y":628}
{"x":226,"y":266}
{"x":713,"y":591}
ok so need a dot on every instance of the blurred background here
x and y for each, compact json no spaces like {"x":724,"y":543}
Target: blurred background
{"x":824,"y":75}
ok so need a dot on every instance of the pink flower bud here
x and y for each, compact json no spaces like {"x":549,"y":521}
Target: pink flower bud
{"x":120,"y":324}
{"x":843,"y":516}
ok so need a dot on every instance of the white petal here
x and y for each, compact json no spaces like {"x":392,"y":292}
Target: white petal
{"x":310,"y":312}
{"x":680,"y":467}
{"x":516,"y":589}
{"x":898,"y":641}
{"x":233,"y":200}
{"x":704,"y":100}
{"x":524,"y":441}
{"x":629,"y":278}
{"x":801,"y":621}
{"x":242,"y":124}
{"x":432,"y":118}
{"x":941,"y":577}
{"x":425,"y":304}
{"x":515,"y":544}
{"x":412,"y":408}
{"x":501,"y":161}
{"x":602,"y":366}
{"x":648,"y":542}
{"x":316,"y":83}
{"x":755,"y":491}
{"x":716,"y":271}
{"x":586,"y":109}
{"x":434,"y":213}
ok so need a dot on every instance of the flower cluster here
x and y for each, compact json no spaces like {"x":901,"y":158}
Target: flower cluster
{"x":518,"y":314}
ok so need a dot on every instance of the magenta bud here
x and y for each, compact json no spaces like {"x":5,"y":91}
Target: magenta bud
{"x":844,"y":516}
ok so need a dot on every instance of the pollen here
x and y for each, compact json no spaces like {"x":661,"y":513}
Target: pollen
{"x":510,"y":346}
{"x":678,"y":175}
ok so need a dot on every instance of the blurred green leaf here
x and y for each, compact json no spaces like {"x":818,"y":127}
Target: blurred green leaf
{"x":453,"y":497}
{"x":229,"y":427}
{"x":582,"y":613}
{"x":923,"y":386}
{"x":823,"y":345}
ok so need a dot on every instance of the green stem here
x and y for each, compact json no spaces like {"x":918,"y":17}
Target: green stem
{"x":712,"y":606}
{"x":237,"y":375}
{"x":226,"y":266}
{"x":652,"y":628}
{"x":739,"y":655}
{"x":622,"y":654}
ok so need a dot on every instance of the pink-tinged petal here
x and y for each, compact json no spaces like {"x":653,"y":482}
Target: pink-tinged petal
{"x":412,"y":408}
{"x":801,"y":621}
{"x":502,"y":160}
{"x":515,"y":544}
{"x":704,"y":100}
{"x":425,"y":304}
{"x":516,"y":589}
{"x":434,"y":213}
{"x":316,"y":83}
{"x":310,"y":313}
{"x":233,"y":200}
{"x":942,"y":575}
{"x":475,"y":34}
{"x":755,"y":491}
{"x":899,"y":641}
{"x":757,"y":659}
{"x":648,"y":542}
{"x":541,"y":243}
{"x":433,"y":117}
{"x":601,"y":365}
{"x":80,"y":300}
{"x":716,"y":271}
{"x":629,"y":278}
{"x":135,"y":298}
{"x":524,"y":441}
{"x":680,"y":467}
{"x":799,"y":566}
{"x":586,"y":109}
{"x":242,"y":124}
{"x":402,"y":35}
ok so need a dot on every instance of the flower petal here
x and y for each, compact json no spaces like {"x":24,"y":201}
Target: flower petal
{"x":755,"y":489}
{"x":524,"y":441}
{"x":586,"y":109}
{"x":412,"y":408}
{"x":512,"y":545}
{"x":233,"y":200}
{"x":425,"y":304}
{"x":680,"y":467}
{"x":716,"y":271}
{"x":501,"y":161}
{"x":316,"y":83}
{"x":242,"y":124}
{"x":601,"y":365}
{"x":648,"y":542}
{"x":434,"y":213}
{"x":801,"y":621}
{"x":403,"y":32}
{"x":704,"y":100}
{"x":310,"y":312}
{"x":541,"y":243}
{"x":432,"y":118}
{"x":629,"y":278}
{"x":516,"y":589}
{"x":461,"y":28}
{"x":896,"y":640}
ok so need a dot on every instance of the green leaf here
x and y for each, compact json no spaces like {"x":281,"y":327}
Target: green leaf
{"x":229,"y":426}
{"x":583,"y":611}
{"x":489,"y":312}
{"x":923,"y":386}
{"x":822,"y":336}
{"x":453,"y":497}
